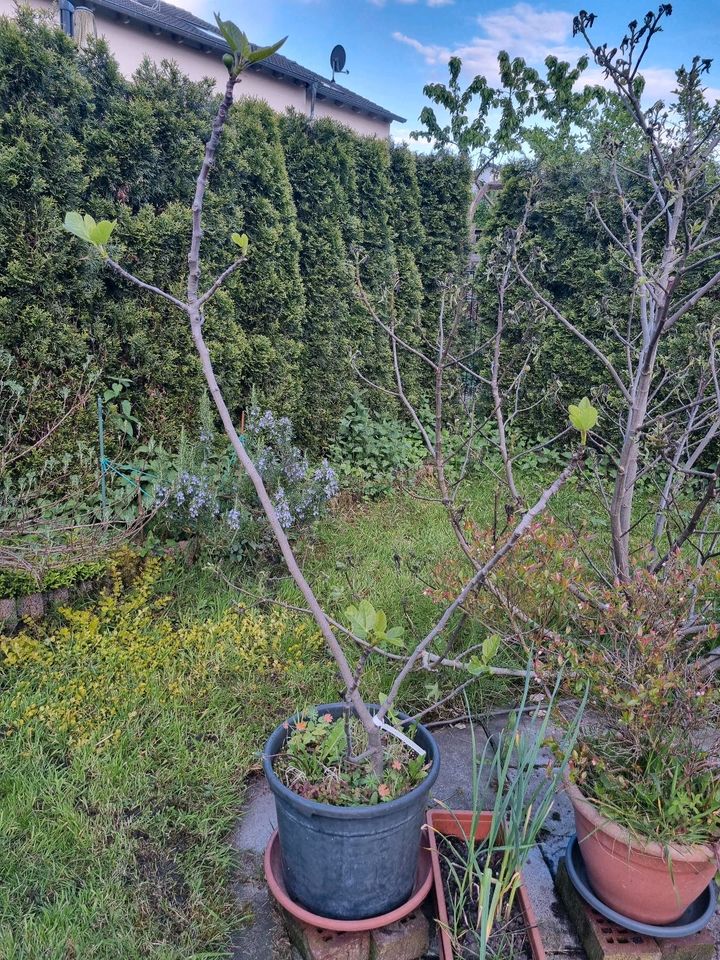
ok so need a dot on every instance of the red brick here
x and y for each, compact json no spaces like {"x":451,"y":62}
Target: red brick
{"x":407,"y":939}
{"x":601,"y":938}
{"x":31,"y":607}
{"x":315,"y":943}
{"x":8,"y":614}
{"x":701,"y":946}
{"x":330,"y":945}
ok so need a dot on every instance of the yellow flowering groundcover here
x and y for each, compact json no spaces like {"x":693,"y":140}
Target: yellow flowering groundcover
{"x":85,"y":679}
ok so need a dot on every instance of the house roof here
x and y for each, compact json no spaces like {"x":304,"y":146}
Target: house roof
{"x":166,"y":18}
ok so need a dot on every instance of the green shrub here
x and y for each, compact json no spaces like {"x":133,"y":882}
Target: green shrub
{"x":18,"y":583}
{"x":371,"y":452}
{"x":88,"y":677}
{"x":321,"y":170}
{"x":444,"y":182}
{"x":206,"y":496}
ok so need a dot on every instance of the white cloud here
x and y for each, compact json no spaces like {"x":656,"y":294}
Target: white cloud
{"x":408,"y":3}
{"x":523,"y":24}
{"x":524,"y":31}
{"x":659,"y":83}
{"x":520,"y":30}
{"x":418,"y":146}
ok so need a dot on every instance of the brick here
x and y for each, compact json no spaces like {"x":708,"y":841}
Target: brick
{"x":59,"y":596}
{"x":331,"y":945}
{"x":601,"y":938}
{"x":406,"y":939}
{"x":314,"y":943}
{"x":700,"y":946}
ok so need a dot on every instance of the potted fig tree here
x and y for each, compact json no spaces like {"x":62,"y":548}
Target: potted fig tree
{"x":350,"y":836}
{"x":350,"y":839}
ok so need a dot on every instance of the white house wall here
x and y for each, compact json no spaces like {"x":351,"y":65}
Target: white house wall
{"x":131,"y":43}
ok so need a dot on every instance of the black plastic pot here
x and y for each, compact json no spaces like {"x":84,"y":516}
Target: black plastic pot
{"x":349,"y":863}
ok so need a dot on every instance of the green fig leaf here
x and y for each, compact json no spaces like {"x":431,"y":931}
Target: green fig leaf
{"x":262,"y":53}
{"x":75,"y":224}
{"x":240,"y":240}
{"x":583,"y":416}
{"x":367,"y":614}
{"x":101,"y":232}
{"x":234,"y":36}
{"x":88,"y":230}
{"x":395,"y":637}
{"x":490,"y":647}
{"x":476,"y":667}
{"x":357,"y":622}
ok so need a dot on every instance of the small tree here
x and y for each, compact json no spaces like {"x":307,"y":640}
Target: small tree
{"x":523,"y":94}
{"x":667,"y":186}
{"x":368,"y":622}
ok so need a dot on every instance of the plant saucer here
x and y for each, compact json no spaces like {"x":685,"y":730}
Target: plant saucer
{"x":274,"y":877}
{"x":696,"y":917}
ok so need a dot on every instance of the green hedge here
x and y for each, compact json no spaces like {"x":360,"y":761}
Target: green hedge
{"x":74,"y":134}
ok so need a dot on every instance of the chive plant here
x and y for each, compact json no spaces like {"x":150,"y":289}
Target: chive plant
{"x":485,"y":875}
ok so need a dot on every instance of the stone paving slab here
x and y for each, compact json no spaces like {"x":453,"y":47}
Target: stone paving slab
{"x":262,"y":936}
{"x":258,"y":821}
{"x":495,"y":724}
{"x":558,"y":934}
{"x":453,"y":787}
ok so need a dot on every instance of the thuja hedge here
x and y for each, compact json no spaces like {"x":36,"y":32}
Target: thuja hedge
{"x":76,"y":135}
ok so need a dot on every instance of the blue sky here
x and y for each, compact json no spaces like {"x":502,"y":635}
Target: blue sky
{"x":394,"y":47}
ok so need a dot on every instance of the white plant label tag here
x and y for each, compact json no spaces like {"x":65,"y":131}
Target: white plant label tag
{"x":400,"y":736}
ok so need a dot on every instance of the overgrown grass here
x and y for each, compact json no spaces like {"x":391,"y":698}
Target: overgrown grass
{"x":390,"y":551}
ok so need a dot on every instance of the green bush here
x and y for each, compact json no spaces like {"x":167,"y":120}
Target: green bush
{"x":205,"y":496}
{"x":321,"y":170}
{"x":18,"y":583}
{"x":444,"y":182}
{"x":371,"y":452}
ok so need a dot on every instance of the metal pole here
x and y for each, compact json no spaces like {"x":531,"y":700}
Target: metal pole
{"x":103,"y":461}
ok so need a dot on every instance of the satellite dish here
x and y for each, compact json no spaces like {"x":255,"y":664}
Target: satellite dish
{"x":337,"y":60}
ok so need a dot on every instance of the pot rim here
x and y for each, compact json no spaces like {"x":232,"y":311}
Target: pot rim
{"x":361,"y":811}
{"x":683,"y":852}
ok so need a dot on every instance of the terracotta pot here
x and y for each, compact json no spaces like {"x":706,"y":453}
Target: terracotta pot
{"x":638,"y":879}
{"x":458,"y":823}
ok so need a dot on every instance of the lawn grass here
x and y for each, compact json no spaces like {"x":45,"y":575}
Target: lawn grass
{"x":389,"y":550}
